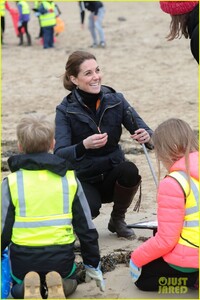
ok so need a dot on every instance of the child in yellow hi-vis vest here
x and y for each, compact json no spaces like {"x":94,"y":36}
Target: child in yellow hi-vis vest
{"x":24,"y":18}
{"x":169,"y":261}
{"x":43,"y":205}
{"x":47,"y":16}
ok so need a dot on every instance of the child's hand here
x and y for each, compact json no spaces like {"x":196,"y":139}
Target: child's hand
{"x":96,"y":274}
{"x":134,"y":271}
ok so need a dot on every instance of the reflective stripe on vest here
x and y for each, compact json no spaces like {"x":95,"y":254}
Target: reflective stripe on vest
{"x":43,"y":207}
{"x":25,"y":7}
{"x":48,"y":19}
{"x":2,"y":8}
{"x":190,"y":232}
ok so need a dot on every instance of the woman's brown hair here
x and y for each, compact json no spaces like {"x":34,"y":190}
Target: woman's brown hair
{"x":72,"y":67}
{"x":178,"y":27}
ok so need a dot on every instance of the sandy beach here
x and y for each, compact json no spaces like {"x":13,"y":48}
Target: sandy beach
{"x":159,"y":78}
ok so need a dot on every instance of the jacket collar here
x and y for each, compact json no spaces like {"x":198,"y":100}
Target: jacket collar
{"x":39,"y":161}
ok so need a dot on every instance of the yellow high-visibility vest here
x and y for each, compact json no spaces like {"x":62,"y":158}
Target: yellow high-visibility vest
{"x":43,"y":207}
{"x":190,"y":232}
{"x":25,"y":8}
{"x":48,"y":19}
{"x":2,"y":8}
{"x":36,"y":4}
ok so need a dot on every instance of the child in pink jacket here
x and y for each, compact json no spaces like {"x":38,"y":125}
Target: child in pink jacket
{"x":169,"y":261}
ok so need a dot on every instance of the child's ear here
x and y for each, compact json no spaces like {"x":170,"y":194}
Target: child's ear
{"x":20,"y":147}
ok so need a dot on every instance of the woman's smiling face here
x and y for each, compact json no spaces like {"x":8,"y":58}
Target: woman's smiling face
{"x":89,"y":77}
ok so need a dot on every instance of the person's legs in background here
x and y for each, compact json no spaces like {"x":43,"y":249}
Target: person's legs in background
{"x":91,"y":27}
{"x":25,"y":25}
{"x":47,"y":33}
{"x":20,"y":35}
{"x":2,"y":28}
{"x":99,"y":27}
{"x":51,"y":37}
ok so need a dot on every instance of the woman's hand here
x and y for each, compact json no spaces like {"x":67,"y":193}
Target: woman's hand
{"x":141,"y":136}
{"x":95,"y":141}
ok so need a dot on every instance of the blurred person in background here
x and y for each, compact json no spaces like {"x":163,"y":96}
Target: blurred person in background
{"x":97,"y":12}
{"x":24,"y":18}
{"x":184,"y":22}
{"x":3,"y":6}
{"x":47,"y":16}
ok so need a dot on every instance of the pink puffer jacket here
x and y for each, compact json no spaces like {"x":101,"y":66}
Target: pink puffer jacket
{"x":170,"y":215}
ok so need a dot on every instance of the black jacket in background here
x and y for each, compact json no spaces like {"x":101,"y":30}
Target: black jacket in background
{"x":193,"y":30}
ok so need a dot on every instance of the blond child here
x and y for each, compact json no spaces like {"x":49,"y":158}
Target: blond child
{"x":43,"y":204}
{"x":173,"y":253}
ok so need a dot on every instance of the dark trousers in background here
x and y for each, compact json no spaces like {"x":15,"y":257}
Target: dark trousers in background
{"x":25,"y":26}
{"x":28,"y":36}
{"x":159,"y":276}
{"x":2,"y":27}
{"x":48,"y":37}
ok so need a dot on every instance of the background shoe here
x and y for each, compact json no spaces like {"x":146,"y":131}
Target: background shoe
{"x":102,"y":45}
{"x":94,"y":46}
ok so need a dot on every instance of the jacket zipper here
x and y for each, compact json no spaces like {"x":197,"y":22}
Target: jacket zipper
{"x":103,"y":114}
{"x":97,"y":125}
{"x":71,"y":112}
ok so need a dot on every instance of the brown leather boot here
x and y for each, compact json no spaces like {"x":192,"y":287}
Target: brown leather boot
{"x":123,"y":198}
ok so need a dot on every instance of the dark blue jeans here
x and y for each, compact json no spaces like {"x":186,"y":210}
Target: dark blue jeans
{"x":48,"y":33}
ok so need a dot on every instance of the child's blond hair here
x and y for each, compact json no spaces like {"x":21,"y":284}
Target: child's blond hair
{"x":174,"y":139}
{"x":35,"y":134}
